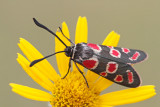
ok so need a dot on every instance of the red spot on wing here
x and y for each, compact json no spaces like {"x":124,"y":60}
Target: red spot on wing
{"x":104,"y":74}
{"x":118,"y":78}
{"x":93,"y":46}
{"x":125,"y":50}
{"x":112,"y":67}
{"x":135,"y":56}
{"x":115,"y":53}
{"x":90,"y":64}
{"x":130,"y":77}
{"x":110,"y":46}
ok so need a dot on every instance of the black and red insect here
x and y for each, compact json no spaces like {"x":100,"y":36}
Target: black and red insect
{"x":113,"y":63}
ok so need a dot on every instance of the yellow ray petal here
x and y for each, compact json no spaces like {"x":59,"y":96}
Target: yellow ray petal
{"x":104,"y":106}
{"x":111,"y":40}
{"x":91,"y":76}
{"x":34,"y":73}
{"x":62,"y":59}
{"x":128,"y":96}
{"x":32,"y":53}
{"x":81,"y":35}
{"x":31,"y":93}
{"x":102,"y":84}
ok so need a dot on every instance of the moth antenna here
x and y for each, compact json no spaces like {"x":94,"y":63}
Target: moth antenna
{"x":38,"y":60}
{"x":44,"y":27}
{"x":66,"y":36}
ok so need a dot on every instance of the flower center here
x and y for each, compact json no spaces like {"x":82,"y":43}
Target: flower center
{"x":73,"y":92}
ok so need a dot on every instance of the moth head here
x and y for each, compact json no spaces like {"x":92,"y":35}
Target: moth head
{"x":69,"y":51}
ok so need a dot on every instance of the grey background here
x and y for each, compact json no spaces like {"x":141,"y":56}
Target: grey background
{"x":137,"y":21}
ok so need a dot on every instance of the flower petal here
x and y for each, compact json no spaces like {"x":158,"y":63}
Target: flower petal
{"x":34,"y":73}
{"x":104,"y":106}
{"x":102,"y":83}
{"x":111,"y":40}
{"x":128,"y":96}
{"x":31,"y":93}
{"x":62,"y":59}
{"x":91,"y":76}
{"x":81,"y":35}
{"x":32,"y":54}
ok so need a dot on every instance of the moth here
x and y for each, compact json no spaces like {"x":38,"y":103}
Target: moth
{"x":112,"y":63}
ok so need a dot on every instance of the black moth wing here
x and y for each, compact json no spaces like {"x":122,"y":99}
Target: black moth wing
{"x":124,"y":55}
{"x":112,"y":63}
{"x":120,"y":73}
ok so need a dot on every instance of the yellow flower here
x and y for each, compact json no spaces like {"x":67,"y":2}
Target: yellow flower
{"x":73,"y":91}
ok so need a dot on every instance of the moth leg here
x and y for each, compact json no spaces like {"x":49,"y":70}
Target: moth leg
{"x":82,"y":74}
{"x":69,"y":66}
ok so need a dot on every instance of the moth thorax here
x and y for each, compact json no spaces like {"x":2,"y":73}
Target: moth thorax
{"x":69,"y":51}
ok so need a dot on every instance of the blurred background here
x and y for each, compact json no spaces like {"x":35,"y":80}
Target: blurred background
{"x":137,"y":21}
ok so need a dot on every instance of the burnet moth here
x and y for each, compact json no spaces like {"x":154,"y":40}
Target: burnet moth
{"x":113,"y":63}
